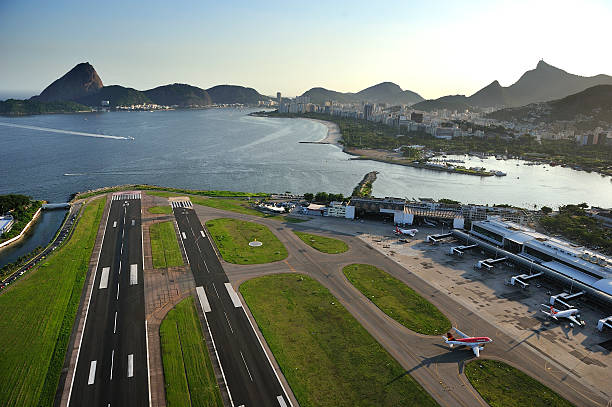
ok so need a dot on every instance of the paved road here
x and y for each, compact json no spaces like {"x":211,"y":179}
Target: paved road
{"x":64,"y":233}
{"x":249,"y":376}
{"x":439,"y":370}
{"x":112,"y":365}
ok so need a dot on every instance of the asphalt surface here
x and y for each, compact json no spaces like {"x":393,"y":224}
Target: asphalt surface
{"x":64,"y":233}
{"x":248,"y":374}
{"x":114,"y":337}
{"x":437,"y":368}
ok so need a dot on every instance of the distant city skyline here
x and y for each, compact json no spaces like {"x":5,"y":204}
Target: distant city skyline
{"x":434,"y":49}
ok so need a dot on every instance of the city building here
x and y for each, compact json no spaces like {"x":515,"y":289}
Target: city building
{"x":278,"y":98}
{"x":416,"y":117}
{"x":368,"y":109}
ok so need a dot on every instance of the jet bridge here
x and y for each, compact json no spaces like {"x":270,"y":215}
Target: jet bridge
{"x":434,"y":239}
{"x":489,"y":263}
{"x":523,"y":279}
{"x":462,"y":249}
{"x":604,"y":322}
{"x":564,"y":298}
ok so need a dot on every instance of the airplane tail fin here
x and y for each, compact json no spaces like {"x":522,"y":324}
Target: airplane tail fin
{"x":552,"y":310}
{"x":450,"y":336}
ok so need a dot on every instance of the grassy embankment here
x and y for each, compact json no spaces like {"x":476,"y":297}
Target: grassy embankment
{"x":502,"y":385}
{"x":165,"y":209}
{"x":327,"y":357}
{"x":164,"y":245}
{"x":232,"y":237}
{"x":322,"y":243}
{"x":397,"y":300}
{"x":188,"y":372}
{"x":37,"y":314}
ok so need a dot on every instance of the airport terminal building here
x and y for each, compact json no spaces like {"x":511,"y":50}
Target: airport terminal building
{"x":574,"y":262}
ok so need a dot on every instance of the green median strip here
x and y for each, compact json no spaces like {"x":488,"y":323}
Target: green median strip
{"x":327,"y":357}
{"x":322,"y":243}
{"x":166,"y":209}
{"x":502,"y":385}
{"x":397,"y":300}
{"x":188,"y":373}
{"x":164,"y":245}
{"x":232,"y":237}
{"x":37,"y":314}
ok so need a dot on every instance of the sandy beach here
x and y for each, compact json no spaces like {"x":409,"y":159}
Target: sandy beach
{"x":333,"y":133}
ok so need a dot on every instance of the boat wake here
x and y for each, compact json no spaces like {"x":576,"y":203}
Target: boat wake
{"x":75,"y":133}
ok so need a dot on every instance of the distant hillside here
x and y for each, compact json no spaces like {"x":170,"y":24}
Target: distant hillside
{"x":117,"y":96}
{"x":230,"y":94}
{"x":542,"y":84}
{"x":13,"y":107}
{"x":179,"y":94}
{"x":591,"y":108}
{"x":454,"y":102}
{"x":80,"y":81}
{"x":385,"y":92}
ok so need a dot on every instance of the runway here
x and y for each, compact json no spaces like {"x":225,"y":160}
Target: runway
{"x":249,"y":376}
{"x":112,"y":367}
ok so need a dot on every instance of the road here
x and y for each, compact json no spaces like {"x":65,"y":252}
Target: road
{"x":112,"y":367}
{"x":64,"y":233}
{"x":248,"y":373}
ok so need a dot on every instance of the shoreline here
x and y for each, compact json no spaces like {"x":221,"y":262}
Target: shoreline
{"x":333,"y":133}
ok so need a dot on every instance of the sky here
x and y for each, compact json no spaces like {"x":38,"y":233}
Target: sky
{"x":434,"y":48}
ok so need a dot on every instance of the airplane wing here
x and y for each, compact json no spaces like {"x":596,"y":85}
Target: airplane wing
{"x":574,"y":320}
{"x":461,"y":333}
{"x":476,"y":350}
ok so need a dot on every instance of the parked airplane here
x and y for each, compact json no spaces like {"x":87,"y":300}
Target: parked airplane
{"x":572,"y":314}
{"x":405,"y":232}
{"x":477,"y":343}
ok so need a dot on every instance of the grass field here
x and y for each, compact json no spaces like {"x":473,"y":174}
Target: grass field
{"x":397,"y":300}
{"x":37,"y":314}
{"x":232,"y":237}
{"x":322,"y":243}
{"x":164,"y":245}
{"x":500,"y":384}
{"x":328,"y":358}
{"x":188,"y":372}
{"x":174,"y":191}
{"x":166,"y":209}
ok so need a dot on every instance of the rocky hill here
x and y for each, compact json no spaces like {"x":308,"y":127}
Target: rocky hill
{"x":80,"y":81}
{"x":385,"y":92}
{"x":116,"y":96}
{"x":179,"y":94}
{"x":231,"y":94}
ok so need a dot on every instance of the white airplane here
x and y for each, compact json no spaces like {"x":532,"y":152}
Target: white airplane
{"x":477,"y":343}
{"x":572,"y":314}
{"x":405,"y":232}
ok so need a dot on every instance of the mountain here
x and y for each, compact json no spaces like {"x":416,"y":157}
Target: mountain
{"x":385,"y":92}
{"x":452,"y":102}
{"x":542,"y":84}
{"x":14,"y":107}
{"x":179,"y":94}
{"x":588,"y":109}
{"x":116,"y":96}
{"x":80,"y":81}
{"x":230,"y":94}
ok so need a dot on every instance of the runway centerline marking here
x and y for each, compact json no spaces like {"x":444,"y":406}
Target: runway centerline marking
{"x":213,"y":284}
{"x":245,"y":365}
{"x":117,"y":291}
{"x":227,"y":319}
{"x":92,"y":372}
{"x":112,"y":363}
{"x":115,"y":325}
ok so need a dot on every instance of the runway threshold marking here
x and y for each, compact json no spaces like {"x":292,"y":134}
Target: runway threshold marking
{"x":104,"y":278}
{"x":133,"y":274}
{"x":92,"y":372}
{"x":203,"y":300}
{"x":281,"y":401}
{"x":233,"y":295}
{"x":130,"y":367}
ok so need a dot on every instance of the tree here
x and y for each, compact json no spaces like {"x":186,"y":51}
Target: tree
{"x":322,"y":197}
{"x":546,"y":210}
{"x":308,"y":197}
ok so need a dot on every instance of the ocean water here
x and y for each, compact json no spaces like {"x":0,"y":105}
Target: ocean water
{"x":227,"y":149}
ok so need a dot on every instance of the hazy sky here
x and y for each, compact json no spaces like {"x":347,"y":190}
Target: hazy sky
{"x":434,"y":48}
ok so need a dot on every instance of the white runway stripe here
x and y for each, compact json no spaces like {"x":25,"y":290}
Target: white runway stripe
{"x":233,"y":295}
{"x":92,"y":372}
{"x":203,"y":299}
{"x":125,"y":197}
{"x":130,"y":368}
{"x":104,"y":278}
{"x":133,"y":274}
{"x":281,"y":401}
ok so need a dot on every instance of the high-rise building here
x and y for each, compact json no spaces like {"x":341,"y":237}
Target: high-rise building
{"x":278,"y":98}
{"x":367,"y":111}
{"x":416,"y":117}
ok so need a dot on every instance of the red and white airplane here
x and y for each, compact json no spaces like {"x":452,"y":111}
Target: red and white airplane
{"x":405,"y":232}
{"x":572,"y":314}
{"x":477,"y":343}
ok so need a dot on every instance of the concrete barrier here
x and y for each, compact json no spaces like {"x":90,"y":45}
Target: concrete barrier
{"x":20,"y":235}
